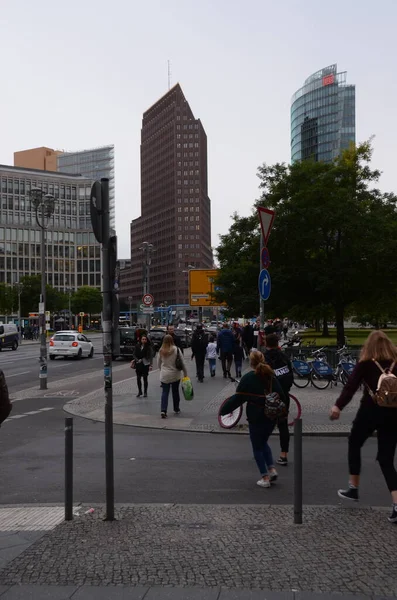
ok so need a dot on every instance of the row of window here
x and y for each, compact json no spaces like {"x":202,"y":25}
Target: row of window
{"x":191,"y":126}
{"x":62,"y":191}
{"x":187,"y":173}
{"x":189,"y":219}
{"x":34,"y":235}
{"x":187,"y":200}
{"x":186,"y":209}
{"x":61,"y":207}
{"x":186,"y":136}
{"x":180,"y":246}
{"x":12,"y":218}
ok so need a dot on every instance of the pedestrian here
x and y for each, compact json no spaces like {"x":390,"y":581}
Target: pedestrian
{"x":199,"y":349}
{"x":252,"y":389}
{"x":248,"y":338}
{"x":171,"y":365}
{"x":211,"y":355}
{"x":143,"y":361}
{"x":270,"y":327}
{"x":282,"y":367}
{"x":176,"y":339}
{"x":225,"y":346}
{"x":285,"y":327}
{"x":238,"y":354}
{"x":5,"y":403}
{"x":378,"y":354}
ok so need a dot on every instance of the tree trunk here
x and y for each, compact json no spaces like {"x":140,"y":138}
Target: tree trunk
{"x":340,"y":327}
{"x":325,"y":327}
{"x":317,"y":325}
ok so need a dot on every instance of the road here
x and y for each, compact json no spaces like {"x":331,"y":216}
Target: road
{"x":162,"y":466}
{"x":21,"y":367}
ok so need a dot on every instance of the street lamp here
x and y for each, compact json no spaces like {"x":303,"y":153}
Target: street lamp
{"x":130,"y":303}
{"x":19,"y":288}
{"x":147,"y":261}
{"x":44,"y":205}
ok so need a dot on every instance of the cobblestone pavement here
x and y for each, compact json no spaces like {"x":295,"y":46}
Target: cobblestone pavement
{"x":201,"y":414}
{"x":345,"y":550}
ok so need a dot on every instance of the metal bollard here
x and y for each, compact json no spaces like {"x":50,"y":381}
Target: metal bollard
{"x":298,"y":472}
{"x":69,"y":469}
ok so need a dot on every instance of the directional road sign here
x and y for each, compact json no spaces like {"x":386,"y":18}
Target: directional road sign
{"x":148,"y":299}
{"x":264,"y":284}
{"x":265,"y":258}
{"x":266,"y":217}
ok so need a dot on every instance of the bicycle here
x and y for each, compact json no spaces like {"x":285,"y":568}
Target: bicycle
{"x":321,"y":374}
{"x":301,"y":370}
{"x":231,"y":420}
{"x":345,"y":366}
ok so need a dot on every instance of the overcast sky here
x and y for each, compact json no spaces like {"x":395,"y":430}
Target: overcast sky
{"x":79,"y":74}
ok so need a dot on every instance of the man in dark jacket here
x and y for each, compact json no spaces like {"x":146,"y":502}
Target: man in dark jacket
{"x":177,"y":341}
{"x":225,"y":345}
{"x":248,"y":338}
{"x":281,"y":365}
{"x":199,"y":349}
{"x":5,"y":403}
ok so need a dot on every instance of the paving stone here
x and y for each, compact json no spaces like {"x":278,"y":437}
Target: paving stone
{"x":87,"y":592}
{"x":255,"y":595}
{"x":4,"y":588}
{"x":37,"y":592}
{"x":174,"y":593}
{"x":325,"y":596}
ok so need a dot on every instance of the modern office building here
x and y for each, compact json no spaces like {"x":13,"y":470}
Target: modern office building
{"x":42,"y":158}
{"x":72,"y":253}
{"x":175,"y":207}
{"x":323,"y":120}
{"x":94,"y":164}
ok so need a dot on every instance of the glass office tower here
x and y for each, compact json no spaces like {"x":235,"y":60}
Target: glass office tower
{"x":323,"y":116}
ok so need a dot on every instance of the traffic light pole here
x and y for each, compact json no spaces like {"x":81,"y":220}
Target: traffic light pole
{"x":107,"y":292}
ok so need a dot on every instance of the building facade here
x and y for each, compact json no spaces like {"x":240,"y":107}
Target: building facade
{"x":323,"y":119}
{"x":94,"y":164}
{"x":42,"y":158}
{"x":73,"y":257}
{"x":175,"y":207}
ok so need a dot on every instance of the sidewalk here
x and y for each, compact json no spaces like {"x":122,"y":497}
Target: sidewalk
{"x":200,"y":415}
{"x":206,"y":552}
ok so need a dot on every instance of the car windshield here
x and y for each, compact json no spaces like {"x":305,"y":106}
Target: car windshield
{"x":127,"y":334}
{"x":64,"y":337}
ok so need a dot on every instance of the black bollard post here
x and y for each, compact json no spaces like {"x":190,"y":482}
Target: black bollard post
{"x":69,"y":469}
{"x":298,"y":472}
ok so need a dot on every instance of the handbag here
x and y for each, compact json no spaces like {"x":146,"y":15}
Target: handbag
{"x":187,"y":388}
{"x":178,"y":361}
{"x":273,"y":407}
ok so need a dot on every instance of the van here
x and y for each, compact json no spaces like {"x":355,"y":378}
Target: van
{"x":9,"y":336}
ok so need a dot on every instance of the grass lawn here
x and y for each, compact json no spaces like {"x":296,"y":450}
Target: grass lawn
{"x":355,"y":337}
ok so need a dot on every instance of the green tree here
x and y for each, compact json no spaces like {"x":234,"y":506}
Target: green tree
{"x":8,"y":299}
{"x":30,"y":296}
{"x":87,"y":299}
{"x":333,"y":242}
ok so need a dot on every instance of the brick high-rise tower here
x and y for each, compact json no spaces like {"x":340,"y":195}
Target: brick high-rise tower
{"x":175,"y":207}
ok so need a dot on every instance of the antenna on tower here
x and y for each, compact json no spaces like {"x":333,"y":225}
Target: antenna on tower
{"x":169,"y":74}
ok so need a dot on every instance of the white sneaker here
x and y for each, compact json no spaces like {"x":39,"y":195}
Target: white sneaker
{"x":263,"y":483}
{"x":273,"y":475}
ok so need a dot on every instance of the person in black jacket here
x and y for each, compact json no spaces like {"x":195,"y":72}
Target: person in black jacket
{"x":142,"y":363}
{"x":248,"y":338}
{"x":177,"y":340}
{"x":282,"y":368}
{"x":199,"y":350}
{"x":5,"y":403}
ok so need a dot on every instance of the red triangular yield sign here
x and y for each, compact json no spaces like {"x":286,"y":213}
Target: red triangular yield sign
{"x":266,"y":217}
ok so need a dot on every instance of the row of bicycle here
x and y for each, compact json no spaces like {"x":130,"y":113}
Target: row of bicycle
{"x":316,"y":370}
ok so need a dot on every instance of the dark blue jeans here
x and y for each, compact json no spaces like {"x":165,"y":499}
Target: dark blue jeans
{"x":259,"y":434}
{"x":175,"y":395}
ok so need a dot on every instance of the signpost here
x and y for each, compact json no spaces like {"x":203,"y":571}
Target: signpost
{"x":266,"y":218}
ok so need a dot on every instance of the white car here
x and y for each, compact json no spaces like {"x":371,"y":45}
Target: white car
{"x":70,"y":343}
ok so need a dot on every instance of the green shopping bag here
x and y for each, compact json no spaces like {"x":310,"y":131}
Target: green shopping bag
{"x":187,"y":388}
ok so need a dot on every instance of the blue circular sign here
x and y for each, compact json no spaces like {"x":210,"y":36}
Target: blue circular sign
{"x":265,"y":258}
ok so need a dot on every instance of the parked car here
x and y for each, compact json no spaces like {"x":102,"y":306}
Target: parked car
{"x":9,"y":336}
{"x":156,"y":336}
{"x":129,"y":337}
{"x":70,"y":343}
{"x":184,"y":336}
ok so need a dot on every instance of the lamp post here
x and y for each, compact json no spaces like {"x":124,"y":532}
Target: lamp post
{"x":19,"y":288}
{"x":44,"y":205}
{"x":147,"y":261}
{"x":130,"y":303}
{"x":69,"y":291}
{"x":191,"y":268}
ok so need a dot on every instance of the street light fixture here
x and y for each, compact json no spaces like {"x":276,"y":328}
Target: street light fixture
{"x":44,"y":205}
{"x":19,"y":288}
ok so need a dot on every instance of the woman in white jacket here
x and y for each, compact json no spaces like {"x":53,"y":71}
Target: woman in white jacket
{"x":170,"y":375}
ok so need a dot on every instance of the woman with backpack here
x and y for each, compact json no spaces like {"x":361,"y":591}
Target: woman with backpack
{"x":265,"y":402}
{"x":171,"y":365}
{"x":377,"y":371}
